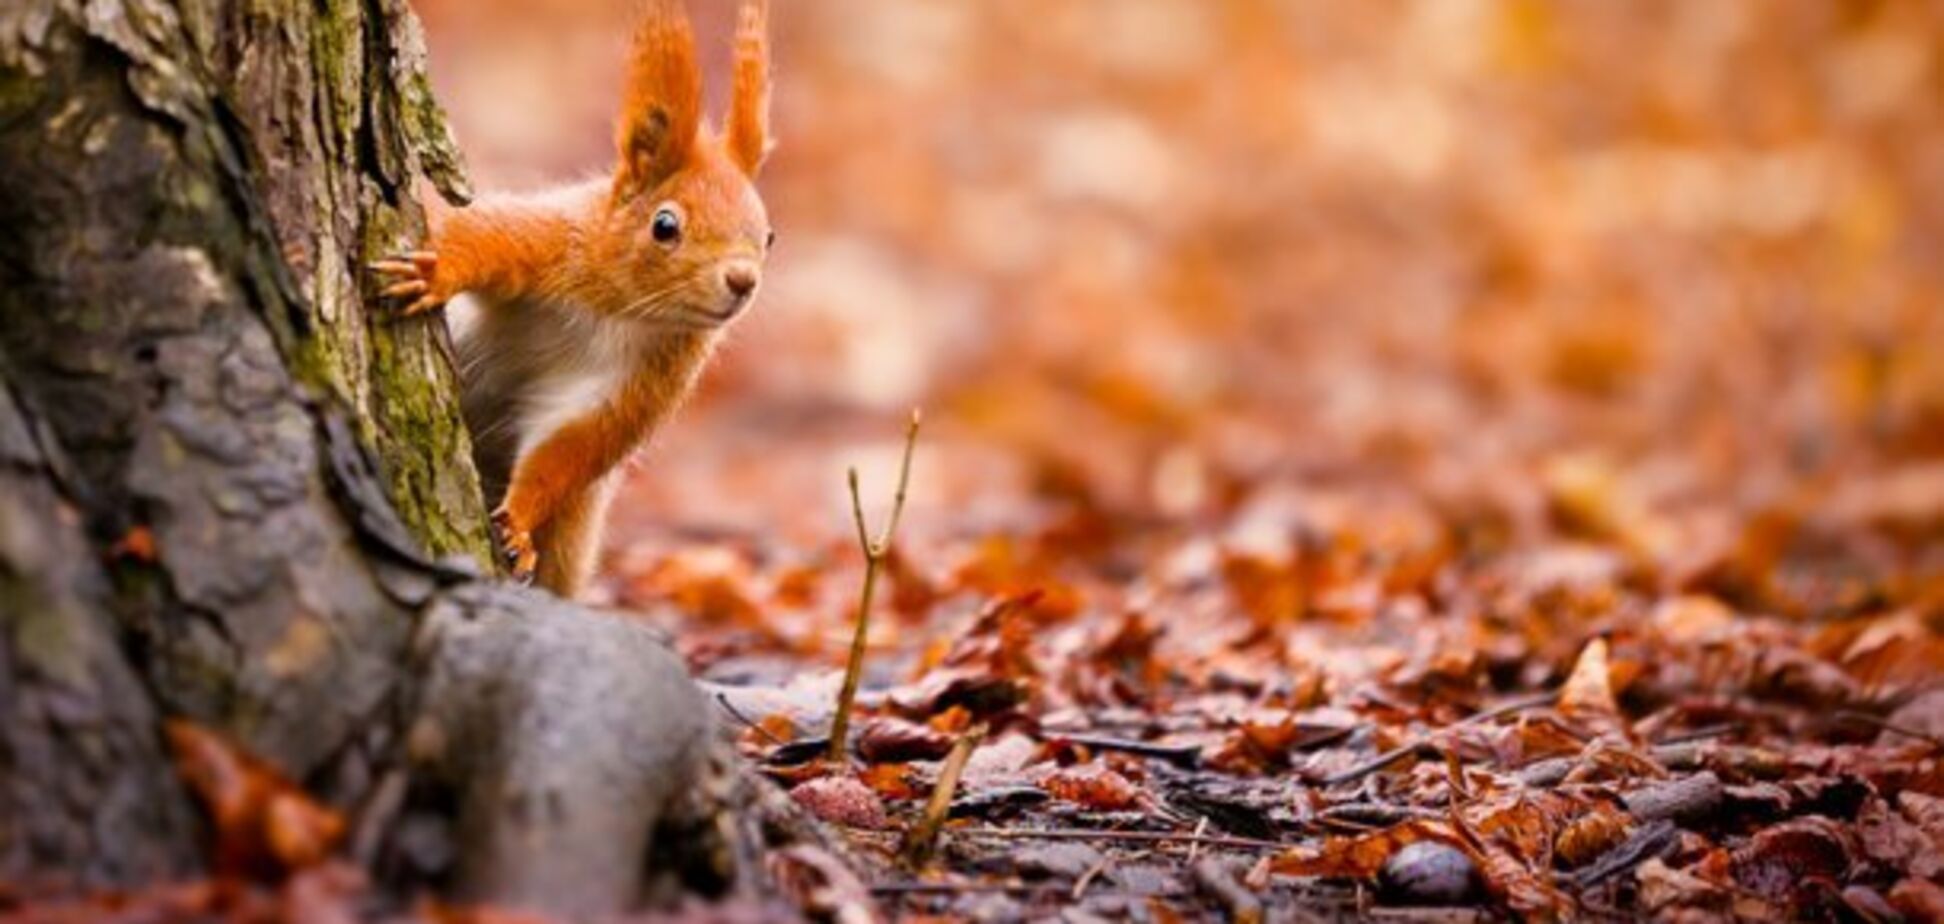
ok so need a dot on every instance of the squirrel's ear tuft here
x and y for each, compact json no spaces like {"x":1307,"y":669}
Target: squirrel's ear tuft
{"x":661,"y":110}
{"x":748,"y":137}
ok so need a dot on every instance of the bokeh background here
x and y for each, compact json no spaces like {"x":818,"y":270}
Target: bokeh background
{"x":1650,"y":270}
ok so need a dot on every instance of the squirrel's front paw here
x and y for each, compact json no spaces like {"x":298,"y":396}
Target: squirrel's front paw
{"x":516,"y":545}
{"x":416,"y":278}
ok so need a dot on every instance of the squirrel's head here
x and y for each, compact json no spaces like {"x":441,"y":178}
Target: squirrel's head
{"x":684,"y":215}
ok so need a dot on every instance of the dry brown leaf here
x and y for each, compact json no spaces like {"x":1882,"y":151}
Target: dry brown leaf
{"x":1591,"y":835}
{"x":138,"y":544}
{"x":1663,"y":889}
{"x":1588,"y":693}
{"x":1361,"y":856}
{"x":891,"y":781}
{"x":1780,"y":862}
{"x":1920,"y":899}
{"x":264,"y":825}
{"x":1094,"y":786}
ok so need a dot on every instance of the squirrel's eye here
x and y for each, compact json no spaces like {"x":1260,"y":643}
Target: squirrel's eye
{"x":769,"y":241}
{"x":666,"y":226}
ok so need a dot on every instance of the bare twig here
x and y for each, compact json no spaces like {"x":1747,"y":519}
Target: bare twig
{"x":1689,"y":756}
{"x":1086,"y":879}
{"x":923,"y":839}
{"x":1194,"y":848}
{"x":1686,"y":799}
{"x":900,"y":889}
{"x":1185,"y":756}
{"x":1213,"y":877}
{"x":1652,"y":840}
{"x":874,"y":553}
{"x":1143,"y":837}
{"x":1700,"y":734}
{"x":1864,"y":718}
{"x":722,"y":699}
{"x":958,"y":888}
{"x":1364,"y":816}
{"x":1397,"y":754}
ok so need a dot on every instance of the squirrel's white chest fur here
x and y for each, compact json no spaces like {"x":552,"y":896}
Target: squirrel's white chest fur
{"x":527,"y":373}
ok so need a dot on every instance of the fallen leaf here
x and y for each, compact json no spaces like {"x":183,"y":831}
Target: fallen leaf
{"x":1094,"y":786}
{"x":1362,"y":856}
{"x":1587,"y":695}
{"x":264,"y":825}
{"x":1589,"y":836}
{"x":1780,"y":862}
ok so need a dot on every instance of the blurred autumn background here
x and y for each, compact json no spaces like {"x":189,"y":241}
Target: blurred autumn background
{"x":1312,"y":359}
{"x":1656,"y":267}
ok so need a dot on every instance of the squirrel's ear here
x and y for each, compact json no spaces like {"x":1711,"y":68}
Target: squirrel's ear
{"x":748,"y":137}
{"x":662,"y":108}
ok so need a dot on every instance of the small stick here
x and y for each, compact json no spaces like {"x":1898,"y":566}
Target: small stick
{"x":1213,"y":877}
{"x":1700,"y":734}
{"x":1652,"y":840}
{"x":1185,"y":756}
{"x":1364,"y":816}
{"x":722,"y":699}
{"x":1194,"y":849}
{"x":958,"y":888}
{"x":1396,"y":754}
{"x":874,"y":553}
{"x":1086,"y":879}
{"x":1864,"y":718}
{"x":923,"y":839}
{"x":897,"y":889}
{"x":1142,"y":837}
{"x":1686,"y":799}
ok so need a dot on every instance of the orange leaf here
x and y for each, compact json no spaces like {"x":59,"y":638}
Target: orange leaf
{"x":137,"y":544}
{"x":1094,"y":786}
{"x":265,"y":826}
{"x":1588,"y":694}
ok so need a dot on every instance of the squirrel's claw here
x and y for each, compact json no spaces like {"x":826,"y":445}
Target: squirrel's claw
{"x":516,"y":546}
{"x":423,"y":305}
{"x":420,"y":262}
{"x":413,"y":273}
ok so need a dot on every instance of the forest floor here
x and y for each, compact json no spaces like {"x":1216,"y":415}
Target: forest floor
{"x":1574,"y":701}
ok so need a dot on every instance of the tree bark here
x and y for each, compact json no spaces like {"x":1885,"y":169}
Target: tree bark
{"x":232,"y":491}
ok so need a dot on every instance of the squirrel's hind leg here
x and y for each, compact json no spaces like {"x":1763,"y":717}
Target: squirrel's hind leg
{"x":569,"y":545}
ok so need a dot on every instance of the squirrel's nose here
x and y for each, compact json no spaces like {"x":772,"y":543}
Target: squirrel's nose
{"x":740,"y":278}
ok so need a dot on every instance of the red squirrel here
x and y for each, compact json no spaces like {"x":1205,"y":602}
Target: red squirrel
{"x":582,"y":315}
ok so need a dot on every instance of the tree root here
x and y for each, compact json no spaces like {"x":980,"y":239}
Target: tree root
{"x":566,"y":736}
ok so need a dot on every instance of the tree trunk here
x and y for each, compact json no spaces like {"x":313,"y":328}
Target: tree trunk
{"x":232,"y":491}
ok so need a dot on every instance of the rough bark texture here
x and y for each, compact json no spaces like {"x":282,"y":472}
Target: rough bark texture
{"x":230,"y":491}
{"x":81,"y":769}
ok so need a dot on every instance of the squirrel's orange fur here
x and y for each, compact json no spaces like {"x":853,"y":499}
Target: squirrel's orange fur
{"x":587,"y":311}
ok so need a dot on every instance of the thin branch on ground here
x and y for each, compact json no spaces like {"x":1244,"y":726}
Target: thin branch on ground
{"x":1864,"y":718}
{"x":923,"y":839}
{"x":875,"y":551}
{"x":1185,"y":756}
{"x":1144,"y":837}
{"x":722,"y":699}
{"x":1401,"y":752}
